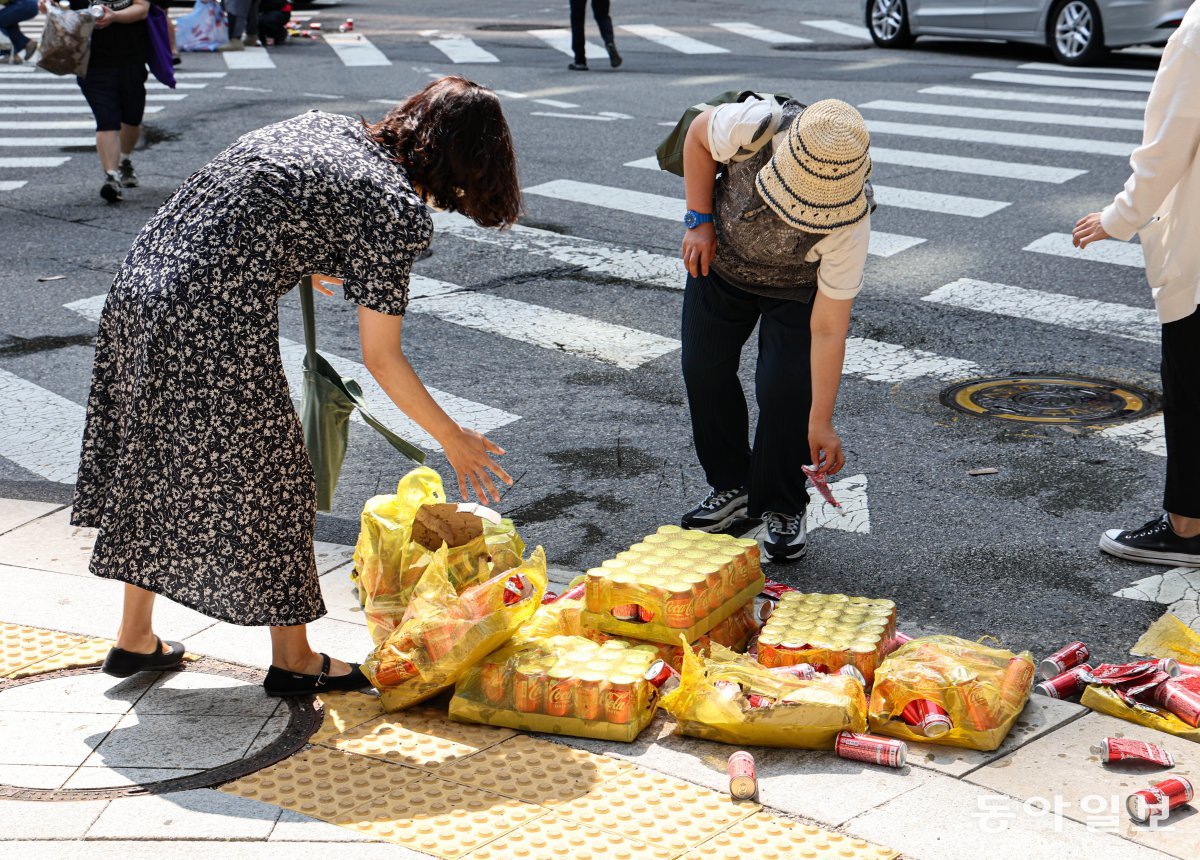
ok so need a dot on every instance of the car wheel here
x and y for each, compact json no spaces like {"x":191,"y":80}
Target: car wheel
{"x":1075,"y":33}
{"x":888,"y":22}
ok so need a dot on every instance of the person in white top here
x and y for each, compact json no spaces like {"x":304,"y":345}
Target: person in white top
{"x":778,"y":224}
{"x":1161,"y":203}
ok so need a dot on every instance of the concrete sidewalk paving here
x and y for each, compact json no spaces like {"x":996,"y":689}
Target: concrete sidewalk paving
{"x":1042,"y":794}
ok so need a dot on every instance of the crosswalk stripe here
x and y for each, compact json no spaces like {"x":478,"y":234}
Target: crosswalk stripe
{"x":62,"y":109}
{"x":1146,"y":434}
{"x":1066,"y":82}
{"x":974,"y":166}
{"x":1003,"y":138}
{"x":560,"y":40}
{"x":548,"y":328}
{"x":40,"y":431}
{"x":34,"y":161}
{"x":354,"y":49}
{"x":889,"y":362}
{"x":78,"y":97}
{"x":46,"y":125}
{"x":762,"y":34}
{"x":248,"y":58}
{"x":1052,"y":308}
{"x":71,"y":85}
{"x":671,"y":208}
{"x":1035,"y":117}
{"x":48,"y":142}
{"x":183,"y":75}
{"x":1106,"y":251}
{"x":1035,"y":98}
{"x":628,"y":264}
{"x":11,"y":184}
{"x":460,"y":49}
{"x":1086,"y":70}
{"x":842,"y":28}
{"x":673,"y":40}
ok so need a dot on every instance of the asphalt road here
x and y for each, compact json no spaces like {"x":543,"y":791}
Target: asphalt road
{"x":602,"y":452}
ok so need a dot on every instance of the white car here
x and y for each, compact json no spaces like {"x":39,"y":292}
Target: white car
{"x":1078,"y":32}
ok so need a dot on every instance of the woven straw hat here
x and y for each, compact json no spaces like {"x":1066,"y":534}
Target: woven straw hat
{"x":815,"y":182}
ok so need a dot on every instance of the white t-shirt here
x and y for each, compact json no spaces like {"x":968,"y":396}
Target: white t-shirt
{"x":843,"y":253}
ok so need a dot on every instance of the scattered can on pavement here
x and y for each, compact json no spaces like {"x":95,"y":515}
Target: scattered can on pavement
{"x":1158,"y":800}
{"x":743,"y":776}
{"x":663,"y":676}
{"x":1069,"y":683}
{"x":1127,"y":749}
{"x":1066,"y":657}
{"x":872,"y":749}
{"x":1181,"y":698}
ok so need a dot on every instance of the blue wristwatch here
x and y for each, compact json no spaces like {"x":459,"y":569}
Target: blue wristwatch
{"x":694,"y":219}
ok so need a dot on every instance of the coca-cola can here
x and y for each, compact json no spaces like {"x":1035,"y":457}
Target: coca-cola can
{"x":620,"y":699}
{"x":1064,"y":686}
{"x":743,"y":776}
{"x":1192,"y":669}
{"x":1071,"y":654}
{"x":529,"y":690}
{"x":589,"y":695}
{"x":1168,"y":665}
{"x":626,"y":612}
{"x":803,"y":671}
{"x":1014,"y":686}
{"x":680,"y":607}
{"x":1128,"y":749}
{"x":662,"y":675}
{"x":1182,"y":699}
{"x":853,"y":672}
{"x":493,"y":683}
{"x":560,"y":693}
{"x":900,"y":639}
{"x":873,"y":749}
{"x":928,"y":717}
{"x":516,"y":589}
{"x":645,"y":614}
{"x":1158,"y":800}
{"x":349,"y":25}
{"x":756,"y":701}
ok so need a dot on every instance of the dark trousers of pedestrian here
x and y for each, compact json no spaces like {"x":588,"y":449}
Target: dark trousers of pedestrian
{"x":718,"y":319}
{"x":603,"y":21}
{"x":1181,"y":414}
{"x":273,"y":26}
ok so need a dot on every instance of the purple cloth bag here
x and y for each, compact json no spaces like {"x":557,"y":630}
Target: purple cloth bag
{"x":159,"y":56}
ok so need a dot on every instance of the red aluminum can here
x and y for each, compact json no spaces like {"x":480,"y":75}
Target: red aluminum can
{"x":928,"y":717}
{"x":1182,"y":699}
{"x":1158,"y":800}
{"x":1127,"y":749}
{"x":743,"y":776}
{"x":576,"y":593}
{"x":529,"y":691}
{"x":314,"y":25}
{"x":627,"y":612}
{"x":516,"y":589}
{"x":349,"y":25}
{"x":493,"y":683}
{"x":757,"y":701}
{"x":803,"y":671}
{"x":619,"y":700}
{"x":1168,"y":665}
{"x":645,"y":615}
{"x":1071,"y":654}
{"x":1069,"y":683}
{"x":662,"y":675}
{"x":589,"y":696}
{"x":872,"y":749}
{"x":1189,"y":669}
{"x":901,"y":639}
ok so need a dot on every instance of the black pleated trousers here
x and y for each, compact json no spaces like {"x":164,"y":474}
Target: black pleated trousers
{"x":1181,"y":414}
{"x":579,"y":15}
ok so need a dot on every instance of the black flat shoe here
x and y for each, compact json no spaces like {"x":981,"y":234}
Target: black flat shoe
{"x":121,"y":663}
{"x":578,"y":67}
{"x":281,"y":682}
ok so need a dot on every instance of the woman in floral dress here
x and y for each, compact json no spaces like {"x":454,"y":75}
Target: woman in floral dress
{"x":193,"y":465}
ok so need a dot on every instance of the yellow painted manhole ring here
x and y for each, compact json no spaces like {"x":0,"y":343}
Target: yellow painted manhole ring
{"x":1050,"y":399}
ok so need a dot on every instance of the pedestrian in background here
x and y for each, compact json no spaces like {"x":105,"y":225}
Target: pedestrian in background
{"x":12,"y":13}
{"x":273,"y":17}
{"x":243,"y":24}
{"x":778,"y":240}
{"x":1161,"y":203}
{"x":578,"y":41}
{"x":193,"y":464}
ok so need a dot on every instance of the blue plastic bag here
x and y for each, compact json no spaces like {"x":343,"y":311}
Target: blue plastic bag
{"x":205,"y":28}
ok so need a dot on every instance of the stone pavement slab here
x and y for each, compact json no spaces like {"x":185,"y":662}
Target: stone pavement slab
{"x":78,"y":694}
{"x":251,"y":646}
{"x":36,"y":819}
{"x":1062,"y":770}
{"x":202,"y":693}
{"x":99,"y":849}
{"x":198,"y":814}
{"x":49,"y":543}
{"x":176,"y":741}
{"x":32,"y":737}
{"x":17,"y":512}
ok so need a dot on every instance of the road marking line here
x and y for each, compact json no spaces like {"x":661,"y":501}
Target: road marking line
{"x":942,"y":204}
{"x":593,"y":117}
{"x":1106,"y":251}
{"x":762,"y":34}
{"x":854,"y":516}
{"x":1034,"y":98}
{"x":460,"y":49}
{"x":1035,"y":117}
{"x":354,"y":49}
{"x":842,"y":28}
{"x":1050,"y":308}
{"x":975,"y":166}
{"x":1064,"y":82}
{"x":47,"y":124}
{"x":11,"y":184}
{"x":555,"y":103}
{"x":1146,"y":434}
{"x":1177,"y":587}
{"x":1085,"y":70}
{"x":78,"y":97}
{"x":1004,"y":138}
{"x":610,"y":343}
{"x":82,"y":107}
{"x":250,"y":58}
{"x":70,"y":85}
{"x":40,"y":431}
{"x":560,"y":40}
{"x":628,"y":264}
{"x":181,"y":75}
{"x":673,"y":40}
{"x":34,"y":161}
{"x":878,"y":361}
{"x":671,"y":208}
{"x":48,"y":142}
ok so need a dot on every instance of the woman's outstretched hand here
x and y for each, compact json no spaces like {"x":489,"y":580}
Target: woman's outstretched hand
{"x":1088,"y":229}
{"x":470,"y":455}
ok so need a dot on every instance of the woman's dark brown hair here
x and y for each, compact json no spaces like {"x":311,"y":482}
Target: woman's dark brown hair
{"x":454,"y":143}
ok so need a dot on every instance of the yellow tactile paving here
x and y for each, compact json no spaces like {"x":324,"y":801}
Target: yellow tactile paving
{"x":657,"y":809}
{"x":430,"y":721}
{"x":768,"y":837}
{"x":22,"y":646}
{"x":89,"y":652}
{"x":322,"y":782}
{"x":381,"y":738}
{"x":534,"y":770}
{"x":552,"y":837}
{"x":344,"y":711}
{"x":439,"y":817}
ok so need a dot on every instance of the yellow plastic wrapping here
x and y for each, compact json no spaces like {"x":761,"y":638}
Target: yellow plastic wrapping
{"x":399,"y":534}
{"x":828,"y":631}
{"x":1106,"y":701}
{"x":444,"y":633}
{"x":712,"y":702}
{"x":673,"y":584}
{"x":565,"y":685}
{"x":983,"y":689}
{"x":1169,"y":637}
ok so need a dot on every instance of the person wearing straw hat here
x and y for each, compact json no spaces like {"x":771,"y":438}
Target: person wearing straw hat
{"x":775,"y":237}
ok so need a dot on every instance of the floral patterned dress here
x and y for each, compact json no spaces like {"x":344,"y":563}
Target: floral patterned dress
{"x":193,"y":465}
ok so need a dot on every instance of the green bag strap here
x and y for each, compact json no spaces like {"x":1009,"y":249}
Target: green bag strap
{"x":310,"y":318}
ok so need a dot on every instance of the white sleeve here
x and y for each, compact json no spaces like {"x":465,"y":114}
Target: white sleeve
{"x":732,"y":127}
{"x":843,"y":256}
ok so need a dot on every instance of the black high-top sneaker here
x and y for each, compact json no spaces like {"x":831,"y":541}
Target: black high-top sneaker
{"x":717,"y":511}
{"x":1154,"y":543}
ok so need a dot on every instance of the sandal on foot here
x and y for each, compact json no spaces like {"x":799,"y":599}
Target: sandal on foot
{"x":121,"y":663}
{"x":281,"y":682}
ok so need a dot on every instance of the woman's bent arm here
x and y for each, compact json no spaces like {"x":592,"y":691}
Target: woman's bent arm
{"x":830,"y":324}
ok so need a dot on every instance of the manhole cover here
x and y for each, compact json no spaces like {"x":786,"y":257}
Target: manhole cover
{"x":519,"y":28}
{"x":809,"y":47}
{"x":1050,"y":399}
